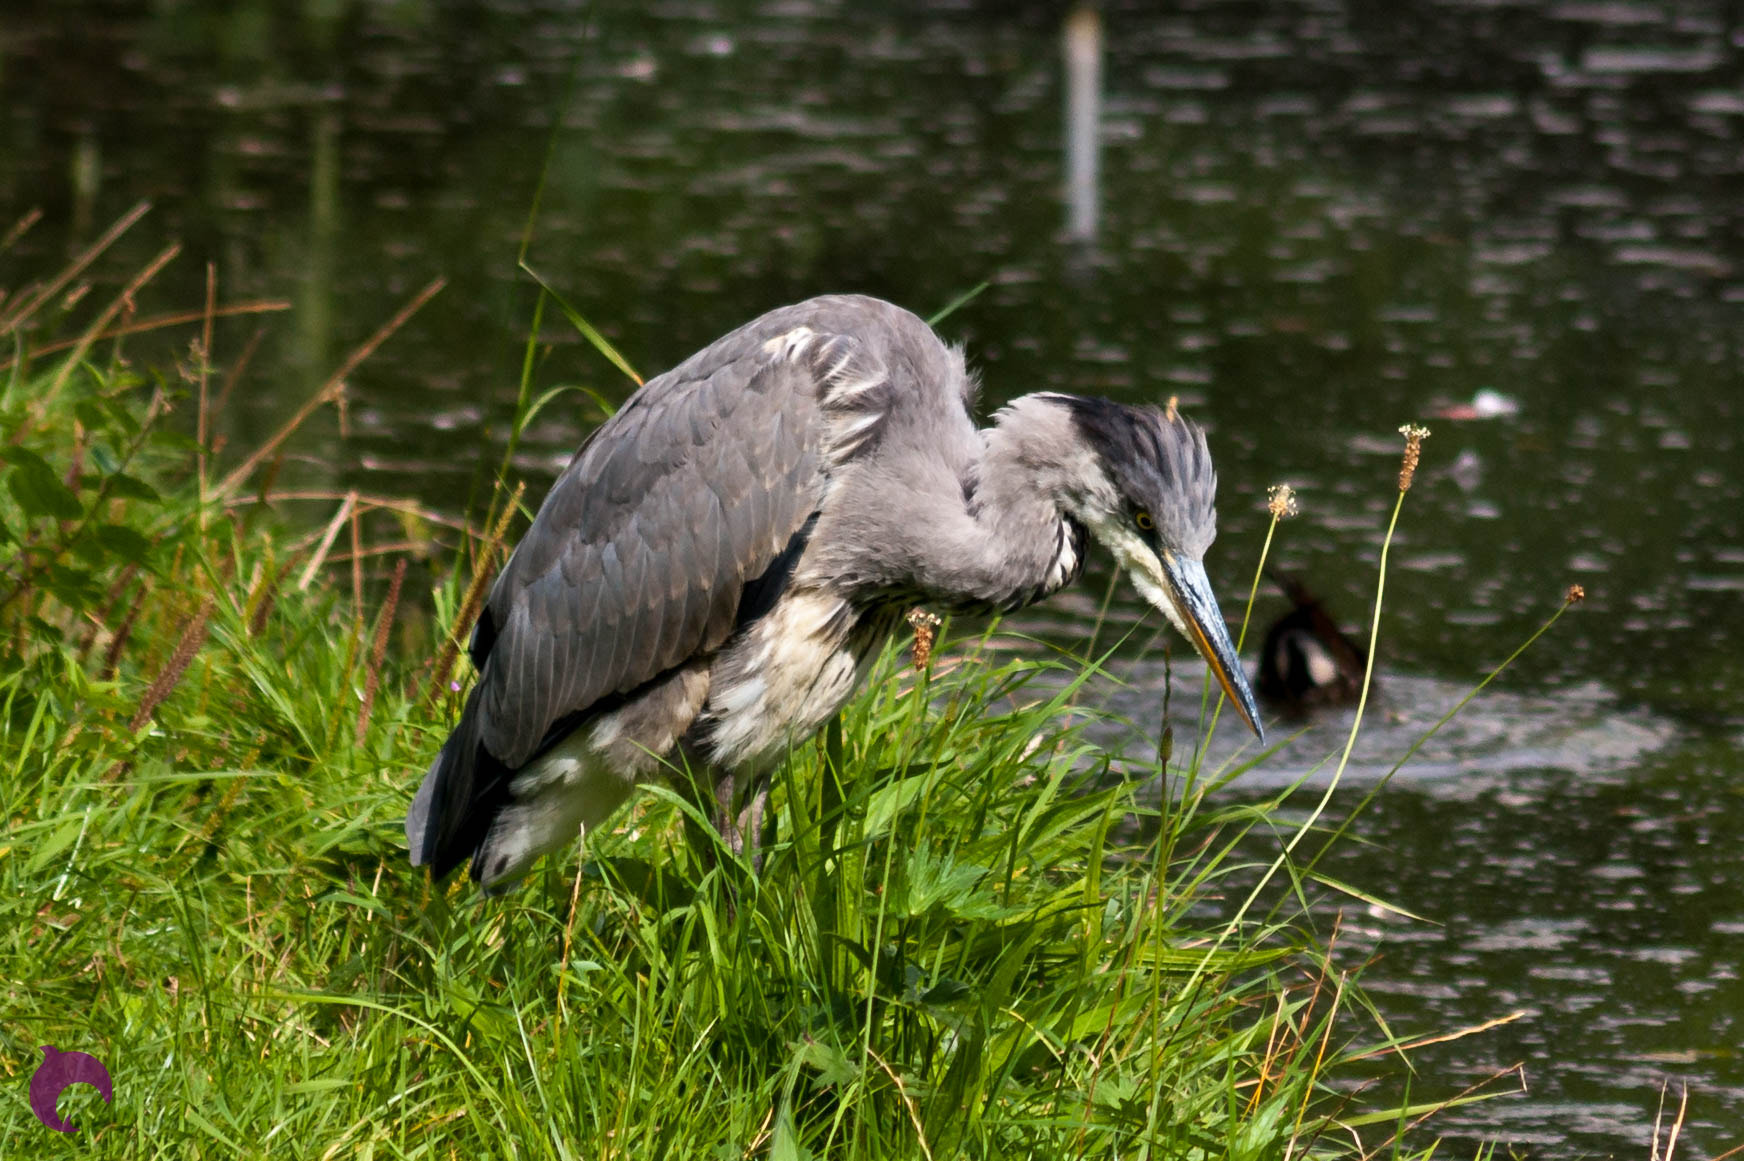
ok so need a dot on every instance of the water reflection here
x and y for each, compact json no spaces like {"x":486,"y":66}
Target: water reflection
{"x":1317,"y":220}
{"x":1081,"y":41}
{"x":1573,"y":900}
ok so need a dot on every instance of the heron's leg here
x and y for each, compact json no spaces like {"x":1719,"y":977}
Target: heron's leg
{"x":733,"y":801}
{"x":751,"y":823}
{"x":724,"y":816}
{"x":740,"y":812}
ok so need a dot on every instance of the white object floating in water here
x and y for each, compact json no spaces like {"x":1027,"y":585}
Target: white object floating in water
{"x":1486,"y":404}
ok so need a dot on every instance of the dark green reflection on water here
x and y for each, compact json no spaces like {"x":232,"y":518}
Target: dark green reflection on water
{"x":1320,"y":220}
{"x":1608,"y":913}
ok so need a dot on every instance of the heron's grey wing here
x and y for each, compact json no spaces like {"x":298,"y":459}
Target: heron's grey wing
{"x":638,"y":558}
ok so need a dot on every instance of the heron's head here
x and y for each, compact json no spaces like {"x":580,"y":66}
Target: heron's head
{"x":1147,"y":492}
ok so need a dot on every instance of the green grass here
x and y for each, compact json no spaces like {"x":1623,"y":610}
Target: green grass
{"x":976,"y":936}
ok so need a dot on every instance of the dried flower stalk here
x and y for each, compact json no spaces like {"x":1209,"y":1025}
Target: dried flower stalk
{"x":118,"y":642}
{"x":474,"y":594}
{"x":925,"y":626}
{"x":267,"y":594}
{"x":112,"y":601}
{"x":1281,"y":501}
{"x":193,"y":636}
{"x":1414,"y":437}
{"x":379,"y":647}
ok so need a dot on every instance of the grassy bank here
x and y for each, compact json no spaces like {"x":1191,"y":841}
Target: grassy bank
{"x":977,"y":936}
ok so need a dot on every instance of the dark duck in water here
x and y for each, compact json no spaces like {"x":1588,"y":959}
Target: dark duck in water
{"x":1307,"y":660}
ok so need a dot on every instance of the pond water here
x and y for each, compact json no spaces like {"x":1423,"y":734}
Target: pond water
{"x":1319,"y":219}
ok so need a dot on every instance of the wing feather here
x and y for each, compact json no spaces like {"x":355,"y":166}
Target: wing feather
{"x":638,"y":558}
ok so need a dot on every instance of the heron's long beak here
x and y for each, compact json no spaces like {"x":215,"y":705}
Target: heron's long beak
{"x":1197,"y":615}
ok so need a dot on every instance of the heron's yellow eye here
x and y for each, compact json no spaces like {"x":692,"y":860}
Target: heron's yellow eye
{"x":1144,"y":521}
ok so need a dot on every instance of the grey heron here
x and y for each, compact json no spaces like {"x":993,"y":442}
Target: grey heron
{"x":712,"y":574}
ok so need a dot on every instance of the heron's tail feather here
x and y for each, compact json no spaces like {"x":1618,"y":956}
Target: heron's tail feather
{"x":461,"y":796}
{"x":418,"y":816}
{"x":471,"y":806}
{"x":566,"y":790}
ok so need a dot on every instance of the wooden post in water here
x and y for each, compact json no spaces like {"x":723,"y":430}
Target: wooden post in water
{"x":1082,"y":45}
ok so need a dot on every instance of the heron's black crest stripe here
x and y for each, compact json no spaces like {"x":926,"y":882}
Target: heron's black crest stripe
{"x":1123,"y":435}
{"x":1159,"y":463}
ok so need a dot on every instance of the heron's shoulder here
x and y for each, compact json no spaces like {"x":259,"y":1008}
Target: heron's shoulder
{"x":866,"y":318}
{"x":862,"y":359}
{"x":881,"y":327}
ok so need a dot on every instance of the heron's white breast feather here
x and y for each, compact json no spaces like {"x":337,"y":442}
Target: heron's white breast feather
{"x":790,"y":672}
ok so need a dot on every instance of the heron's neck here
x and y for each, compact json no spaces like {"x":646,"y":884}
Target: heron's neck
{"x":991,"y":527}
{"x":1024,"y":503}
